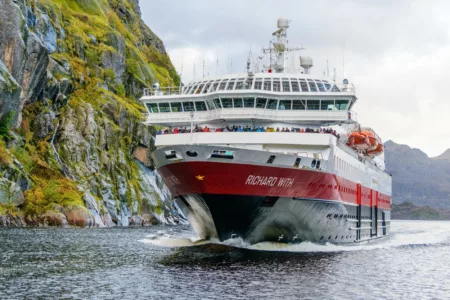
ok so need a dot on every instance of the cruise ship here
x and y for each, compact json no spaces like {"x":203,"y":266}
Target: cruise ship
{"x":271,"y":155}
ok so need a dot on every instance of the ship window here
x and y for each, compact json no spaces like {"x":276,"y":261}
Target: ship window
{"x":258,"y":84}
{"x":230,"y":85}
{"x":207,"y":86}
{"x":313,"y":163}
{"x":217,"y":103}
{"x":249,"y":102}
{"x":318,"y":164}
{"x":297,"y":162}
{"x":200,"y":88}
{"x":304,"y":86}
{"x":261,"y":102}
{"x":214,"y":86}
{"x":327,"y":105}
{"x":298,"y":105}
{"x":227,"y":102}
{"x":188,"y":106}
{"x":223,"y":84}
{"x":276,"y":85}
{"x":273,"y":103}
{"x":320,"y":86}
{"x":153,"y":107}
{"x":285,"y":105}
{"x":267,"y":84}
{"x":271,"y":159}
{"x":210,"y":104}
{"x":164,"y":107}
{"x":248,"y":83}
{"x":240,"y":84}
{"x":200,"y":106}
{"x":286,"y":85}
{"x":176,"y":107}
{"x":341,"y":104}
{"x":295,"y":86}
{"x":238,"y":102}
{"x":313,"y":104}
{"x":327,"y":86}
{"x":194,"y":87}
{"x":312,"y":86}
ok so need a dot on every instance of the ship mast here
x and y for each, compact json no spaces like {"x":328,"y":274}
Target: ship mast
{"x":279,"y":47}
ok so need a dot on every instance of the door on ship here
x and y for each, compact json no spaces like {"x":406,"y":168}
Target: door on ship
{"x":374,"y":207}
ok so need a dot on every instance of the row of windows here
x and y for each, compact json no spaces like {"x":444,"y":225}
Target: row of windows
{"x":263,"y":103}
{"x":340,"y":164}
{"x":267,"y":84}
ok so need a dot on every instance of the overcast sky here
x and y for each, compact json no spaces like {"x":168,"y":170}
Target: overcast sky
{"x":397,"y":53}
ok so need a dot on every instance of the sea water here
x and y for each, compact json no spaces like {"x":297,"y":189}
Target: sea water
{"x":171,"y":263}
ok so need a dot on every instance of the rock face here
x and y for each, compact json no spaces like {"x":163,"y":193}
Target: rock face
{"x":70,"y":76}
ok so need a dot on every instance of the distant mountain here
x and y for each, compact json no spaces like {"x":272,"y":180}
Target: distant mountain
{"x":444,"y":156}
{"x":417,"y":178}
{"x":409,"y":211}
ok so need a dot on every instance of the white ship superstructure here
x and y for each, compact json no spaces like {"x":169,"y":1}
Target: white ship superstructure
{"x":271,"y":155}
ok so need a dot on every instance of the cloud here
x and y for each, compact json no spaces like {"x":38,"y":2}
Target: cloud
{"x":396,"y":52}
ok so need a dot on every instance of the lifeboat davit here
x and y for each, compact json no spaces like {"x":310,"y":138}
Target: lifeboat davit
{"x":358,"y":141}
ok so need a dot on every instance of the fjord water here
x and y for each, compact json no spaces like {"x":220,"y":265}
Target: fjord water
{"x":162,"y":263}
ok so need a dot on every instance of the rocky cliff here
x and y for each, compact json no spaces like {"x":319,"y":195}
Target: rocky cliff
{"x":71,"y":135}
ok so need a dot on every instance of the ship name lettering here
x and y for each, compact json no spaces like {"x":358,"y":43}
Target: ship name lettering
{"x":286,"y":182}
{"x":261,"y":180}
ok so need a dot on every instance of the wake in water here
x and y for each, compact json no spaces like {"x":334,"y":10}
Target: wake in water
{"x":403,"y":234}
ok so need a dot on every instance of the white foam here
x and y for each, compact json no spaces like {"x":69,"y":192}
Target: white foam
{"x":404,"y":233}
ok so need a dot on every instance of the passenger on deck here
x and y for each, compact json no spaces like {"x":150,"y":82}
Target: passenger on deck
{"x":278,"y":129}
{"x":175,"y":131}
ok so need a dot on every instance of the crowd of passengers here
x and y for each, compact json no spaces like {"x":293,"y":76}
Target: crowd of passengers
{"x":247,"y":128}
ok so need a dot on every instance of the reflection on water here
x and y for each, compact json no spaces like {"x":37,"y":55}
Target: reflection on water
{"x":169,"y":263}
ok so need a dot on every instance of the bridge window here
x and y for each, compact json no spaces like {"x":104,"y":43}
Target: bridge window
{"x":258,"y":84}
{"x":327,"y":105}
{"x":153,"y":107}
{"x":227,"y":102}
{"x":223,"y":84}
{"x":313,"y":104}
{"x":230,"y":85}
{"x":295,"y":86}
{"x":327,"y":85}
{"x":298,"y":104}
{"x":273,"y":103}
{"x":312,"y":85}
{"x":261,"y":102}
{"x":188,"y":106}
{"x":341,"y":104}
{"x":217,"y":103}
{"x":192,"y":90}
{"x":249,"y":102}
{"x":267,"y":84}
{"x":238,"y":102}
{"x":200,"y":88}
{"x":320,"y":86}
{"x":285,"y":105}
{"x":276,"y":85}
{"x":240,"y":84}
{"x":248,"y":83}
{"x":207,"y":86}
{"x":200,"y":106}
{"x":286,"y":85}
{"x":176,"y":107}
{"x":304,"y":86}
{"x":214,"y":86}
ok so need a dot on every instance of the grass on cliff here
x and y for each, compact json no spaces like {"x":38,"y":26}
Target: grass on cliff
{"x":52,"y":195}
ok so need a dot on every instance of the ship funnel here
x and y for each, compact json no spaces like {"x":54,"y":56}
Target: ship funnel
{"x":306,"y":63}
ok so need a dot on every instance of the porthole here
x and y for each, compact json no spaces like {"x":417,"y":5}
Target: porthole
{"x":191,"y":153}
{"x":313,"y":163}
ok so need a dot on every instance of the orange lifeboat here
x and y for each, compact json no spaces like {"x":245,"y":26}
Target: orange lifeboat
{"x":358,"y":141}
{"x":378,"y":151}
{"x":374,"y":140}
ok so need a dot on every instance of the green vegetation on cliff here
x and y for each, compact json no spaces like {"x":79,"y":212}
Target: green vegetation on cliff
{"x":78,"y":116}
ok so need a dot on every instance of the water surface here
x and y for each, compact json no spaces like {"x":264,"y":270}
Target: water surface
{"x":414,"y":263}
